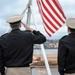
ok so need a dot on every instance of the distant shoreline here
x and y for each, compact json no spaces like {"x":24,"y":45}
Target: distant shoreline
{"x":46,"y":48}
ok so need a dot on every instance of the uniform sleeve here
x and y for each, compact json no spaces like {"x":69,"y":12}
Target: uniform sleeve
{"x":1,"y":62}
{"x":38,"y":38}
{"x":61,"y":57}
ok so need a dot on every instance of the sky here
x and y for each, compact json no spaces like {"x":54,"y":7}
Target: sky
{"x":12,"y":7}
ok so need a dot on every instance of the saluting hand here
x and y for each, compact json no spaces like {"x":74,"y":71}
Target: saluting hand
{"x":28,"y":27}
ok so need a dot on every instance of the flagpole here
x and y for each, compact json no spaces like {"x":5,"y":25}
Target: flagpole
{"x":42,"y":48}
{"x":29,"y":13}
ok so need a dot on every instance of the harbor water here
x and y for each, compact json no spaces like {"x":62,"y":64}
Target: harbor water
{"x":48,"y":51}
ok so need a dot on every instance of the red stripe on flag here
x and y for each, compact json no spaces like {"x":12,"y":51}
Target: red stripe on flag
{"x":49,"y":20}
{"x":50,"y":14}
{"x":54,"y":11}
{"x":47,"y":32}
{"x":48,"y":26}
{"x":42,"y":14}
{"x":60,"y":9}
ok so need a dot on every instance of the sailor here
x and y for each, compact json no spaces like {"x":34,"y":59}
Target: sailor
{"x":16,"y":47}
{"x":66,"y":50}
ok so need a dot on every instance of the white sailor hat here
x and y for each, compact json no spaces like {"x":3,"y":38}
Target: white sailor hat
{"x":14,"y":19}
{"x":71,"y":23}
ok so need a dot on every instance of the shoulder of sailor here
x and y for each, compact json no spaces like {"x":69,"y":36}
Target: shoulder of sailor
{"x":63,"y":38}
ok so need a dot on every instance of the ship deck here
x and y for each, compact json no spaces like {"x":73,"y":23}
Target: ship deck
{"x":41,"y":70}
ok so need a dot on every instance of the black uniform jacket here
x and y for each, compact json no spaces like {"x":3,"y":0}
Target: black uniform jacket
{"x":66,"y":54}
{"x":16,"y":48}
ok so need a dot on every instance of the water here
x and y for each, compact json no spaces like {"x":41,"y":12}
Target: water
{"x":48,"y":51}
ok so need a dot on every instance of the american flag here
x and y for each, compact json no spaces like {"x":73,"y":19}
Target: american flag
{"x":52,"y":15}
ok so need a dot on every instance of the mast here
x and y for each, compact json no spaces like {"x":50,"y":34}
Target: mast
{"x":42,"y":47}
{"x":29,"y":13}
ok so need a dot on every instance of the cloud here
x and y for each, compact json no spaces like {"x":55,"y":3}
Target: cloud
{"x":12,"y":7}
{"x":67,"y":2}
